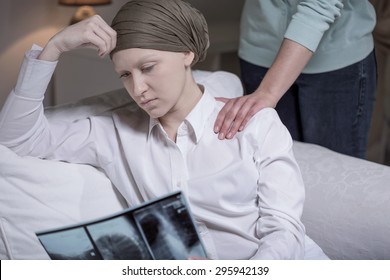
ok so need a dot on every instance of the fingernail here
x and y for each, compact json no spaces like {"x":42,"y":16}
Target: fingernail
{"x":229,"y":135}
{"x":221,"y":136}
{"x":216,"y":129}
{"x":241,"y":128}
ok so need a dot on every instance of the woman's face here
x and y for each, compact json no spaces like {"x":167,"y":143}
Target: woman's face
{"x":156,"y":80}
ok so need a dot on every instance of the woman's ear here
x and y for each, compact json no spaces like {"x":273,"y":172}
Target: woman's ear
{"x":188,"y":58}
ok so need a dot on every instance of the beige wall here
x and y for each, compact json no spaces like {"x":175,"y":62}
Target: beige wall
{"x":23,"y":23}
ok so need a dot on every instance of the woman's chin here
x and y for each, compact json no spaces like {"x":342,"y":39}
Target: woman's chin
{"x":154,"y":114}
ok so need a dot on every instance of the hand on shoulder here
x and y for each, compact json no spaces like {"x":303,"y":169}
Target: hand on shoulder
{"x":237,"y":112}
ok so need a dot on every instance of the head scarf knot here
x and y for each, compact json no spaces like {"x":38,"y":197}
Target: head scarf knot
{"x":166,"y":25}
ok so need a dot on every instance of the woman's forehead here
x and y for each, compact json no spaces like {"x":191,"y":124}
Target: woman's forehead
{"x":137,"y":56}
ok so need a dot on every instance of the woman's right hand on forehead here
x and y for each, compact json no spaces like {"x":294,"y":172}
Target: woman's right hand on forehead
{"x":93,"y":32}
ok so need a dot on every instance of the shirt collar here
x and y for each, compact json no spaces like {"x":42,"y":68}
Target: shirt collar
{"x":197,"y":118}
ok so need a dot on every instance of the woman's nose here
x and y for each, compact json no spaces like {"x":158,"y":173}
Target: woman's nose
{"x":139,"y":85}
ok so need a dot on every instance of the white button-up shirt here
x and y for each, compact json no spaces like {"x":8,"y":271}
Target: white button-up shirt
{"x":246,"y":194}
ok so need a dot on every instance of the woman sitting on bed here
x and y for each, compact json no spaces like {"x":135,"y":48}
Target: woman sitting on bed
{"x":246,"y":193}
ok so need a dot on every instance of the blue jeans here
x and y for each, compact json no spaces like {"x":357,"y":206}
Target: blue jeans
{"x":331,"y":109}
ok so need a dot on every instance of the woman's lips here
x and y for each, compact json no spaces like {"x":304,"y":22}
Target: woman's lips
{"x":148,"y":102}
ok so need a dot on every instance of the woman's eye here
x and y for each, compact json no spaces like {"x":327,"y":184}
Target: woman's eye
{"x":124,"y":75}
{"x":147,"y":68}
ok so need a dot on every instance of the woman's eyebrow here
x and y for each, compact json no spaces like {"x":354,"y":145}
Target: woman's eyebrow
{"x":147,"y":58}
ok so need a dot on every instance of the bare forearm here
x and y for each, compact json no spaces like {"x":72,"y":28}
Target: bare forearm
{"x":288,"y":65}
{"x":50,"y":52}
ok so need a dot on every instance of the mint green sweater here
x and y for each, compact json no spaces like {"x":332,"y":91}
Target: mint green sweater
{"x":339,"y":32}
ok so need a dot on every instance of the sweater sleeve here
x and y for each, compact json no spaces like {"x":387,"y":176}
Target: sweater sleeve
{"x":312,"y":19}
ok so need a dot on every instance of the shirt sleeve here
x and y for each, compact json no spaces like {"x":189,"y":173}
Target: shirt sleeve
{"x":23,"y":109}
{"x":312,"y":19}
{"x":280,"y":191}
{"x":25,"y":129}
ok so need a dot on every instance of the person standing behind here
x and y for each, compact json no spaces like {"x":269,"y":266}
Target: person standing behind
{"x":314,"y":62}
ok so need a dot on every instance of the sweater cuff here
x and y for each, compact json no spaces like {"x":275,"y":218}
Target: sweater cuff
{"x":298,"y":32}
